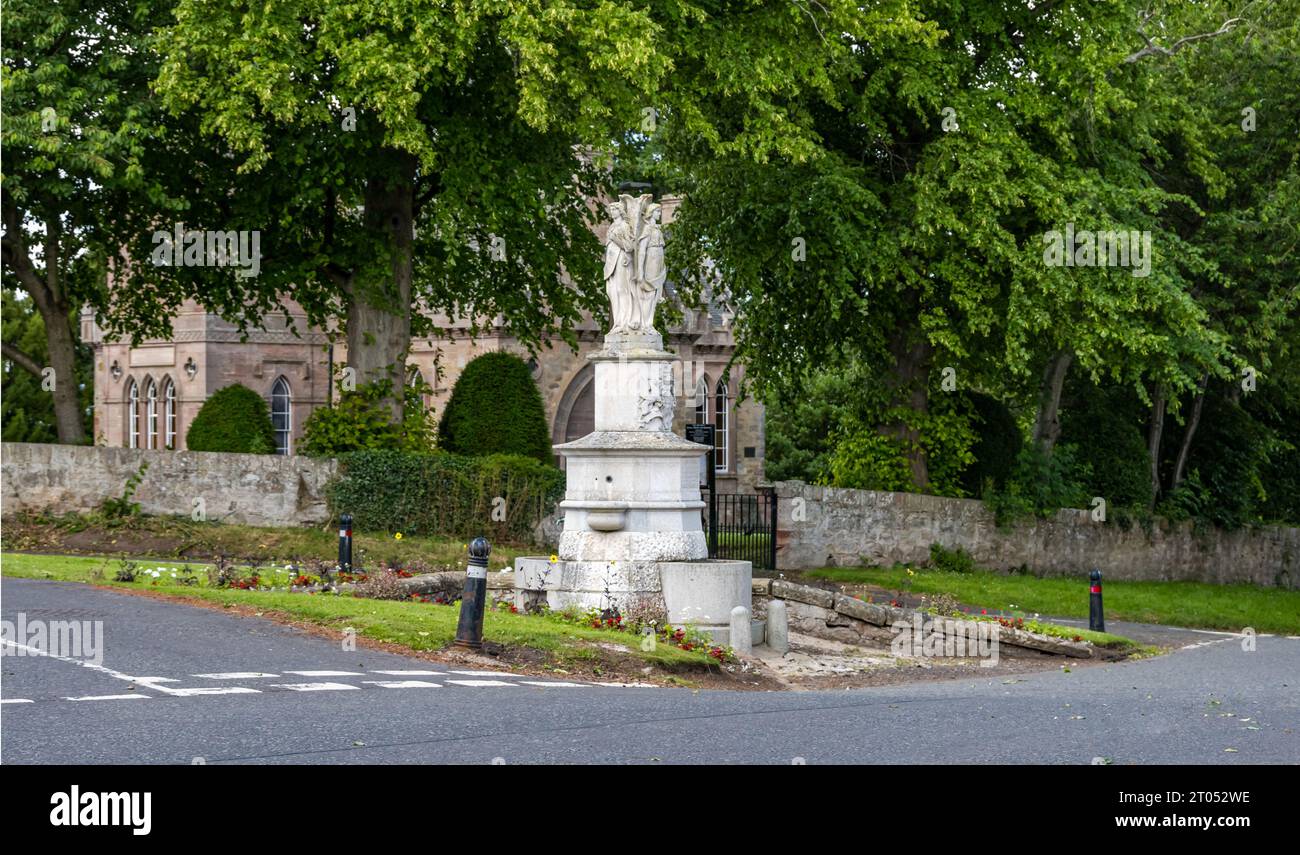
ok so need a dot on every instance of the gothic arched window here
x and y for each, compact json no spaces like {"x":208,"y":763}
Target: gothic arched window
{"x":281,"y":415}
{"x":169,"y":413}
{"x":150,"y":414}
{"x":720,"y":423}
{"x":132,"y":414}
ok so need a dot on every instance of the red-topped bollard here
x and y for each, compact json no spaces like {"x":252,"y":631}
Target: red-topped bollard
{"x":1096,"y":618}
{"x":469,"y":629}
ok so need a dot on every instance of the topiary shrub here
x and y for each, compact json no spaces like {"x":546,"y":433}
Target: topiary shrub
{"x":235,"y":419}
{"x":495,"y":408}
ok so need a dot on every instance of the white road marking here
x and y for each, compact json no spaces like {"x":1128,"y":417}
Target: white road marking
{"x":216,"y":690}
{"x":16,"y":701}
{"x":157,"y":680}
{"x":316,"y":687}
{"x":325,"y":673}
{"x":540,"y":683}
{"x":403,"y":684}
{"x":235,"y":675}
{"x":481,"y":683}
{"x":109,"y":698}
{"x":481,"y":673}
{"x":410,"y":673}
{"x":34,"y":651}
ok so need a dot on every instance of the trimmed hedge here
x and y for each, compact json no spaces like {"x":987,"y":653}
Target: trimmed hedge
{"x":235,"y":419}
{"x":495,"y":408}
{"x":500,"y":496}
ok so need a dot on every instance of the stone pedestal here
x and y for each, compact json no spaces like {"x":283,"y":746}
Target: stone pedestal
{"x":632,"y":509}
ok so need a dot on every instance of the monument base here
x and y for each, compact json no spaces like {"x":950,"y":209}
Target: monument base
{"x":699,"y":593}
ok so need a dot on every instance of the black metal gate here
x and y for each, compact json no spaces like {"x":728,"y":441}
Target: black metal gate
{"x":738,"y":526}
{"x":742,"y":527}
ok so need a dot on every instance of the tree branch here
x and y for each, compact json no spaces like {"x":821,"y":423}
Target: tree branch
{"x":21,"y":358}
{"x":1153,"y":49}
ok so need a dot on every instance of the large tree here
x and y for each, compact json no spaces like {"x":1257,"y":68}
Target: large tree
{"x":917,"y":230}
{"x":76,"y":87}
{"x":404,"y":157}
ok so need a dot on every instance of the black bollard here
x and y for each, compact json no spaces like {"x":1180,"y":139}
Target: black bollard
{"x":469,"y":629}
{"x":345,"y":543}
{"x":1096,"y":619}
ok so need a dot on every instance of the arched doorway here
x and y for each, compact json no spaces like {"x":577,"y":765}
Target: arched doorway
{"x":575,"y":417}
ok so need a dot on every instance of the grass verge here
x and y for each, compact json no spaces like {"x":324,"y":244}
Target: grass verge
{"x":1190,"y":604}
{"x":418,"y":626}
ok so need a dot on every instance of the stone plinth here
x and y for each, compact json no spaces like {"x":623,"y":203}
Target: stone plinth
{"x":632,"y":509}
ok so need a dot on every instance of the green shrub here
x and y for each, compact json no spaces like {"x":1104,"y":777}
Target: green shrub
{"x":235,"y":419}
{"x":1228,"y":454}
{"x":1041,"y":485}
{"x":1107,"y":427}
{"x":866,"y":459}
{"x":950,"y":561}
{"x":996,"y":448}
{"x":495,"y":408}
{"x":499,"y":496}
{"x":359,"y":421}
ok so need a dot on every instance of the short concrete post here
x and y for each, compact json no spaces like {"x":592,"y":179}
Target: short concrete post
{"x":741,"y":639}
{"x":778,"y":627}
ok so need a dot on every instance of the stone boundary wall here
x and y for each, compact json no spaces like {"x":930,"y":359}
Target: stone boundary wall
{"x":825,"y":526}
{"x":254,"y":489}
{"x":826,"y":614}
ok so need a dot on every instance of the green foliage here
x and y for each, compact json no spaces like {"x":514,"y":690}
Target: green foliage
{"x":951,"y":561}
{"x":802,"y":427}
{"x":360,"y":420}
{"x":1229,"y":454}
{"x":1276,"y":407}
{"x":1041,"y":485}
{"x":495,"y":408}
{"x":27,"y":410}
{"x":996,"y":447}
{"x":867,"y":460}
{"x":235,"y":419}
{"x":499,"y":496}
{"x":1105,"y":426}
{"x":119,"y":508}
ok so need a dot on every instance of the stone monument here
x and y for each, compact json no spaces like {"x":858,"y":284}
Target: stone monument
{"x":633,"y":533}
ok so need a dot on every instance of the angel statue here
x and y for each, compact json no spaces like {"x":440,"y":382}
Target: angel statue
{"x":651,"y":273}
{"x":620,"y":248}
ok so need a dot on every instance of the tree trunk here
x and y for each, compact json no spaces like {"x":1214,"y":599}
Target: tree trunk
{"x":1184,"y":450}
{"x":56,"y":312}
{"x":1154,"y":432}
{"x":379,"y":312}
{"x":1047,"y":427}
{"x":911,"y":389}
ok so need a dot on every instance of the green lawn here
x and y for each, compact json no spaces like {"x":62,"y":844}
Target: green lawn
{"x":420,"y":626}
{"x":1191,"y":604}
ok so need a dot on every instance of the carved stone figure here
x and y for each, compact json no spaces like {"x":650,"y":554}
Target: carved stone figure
{"x":634,"y":263}
{"x":651,"y":272}
{"x":620,"y":249}
{"x":657,"y":403}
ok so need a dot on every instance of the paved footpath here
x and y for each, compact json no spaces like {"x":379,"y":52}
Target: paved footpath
{"x":178,"y":683}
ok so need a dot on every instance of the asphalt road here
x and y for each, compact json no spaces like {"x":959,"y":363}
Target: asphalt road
{"x":178,"y":683}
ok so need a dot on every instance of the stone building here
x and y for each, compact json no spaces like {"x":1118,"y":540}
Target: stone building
{"x":147,"y":396}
